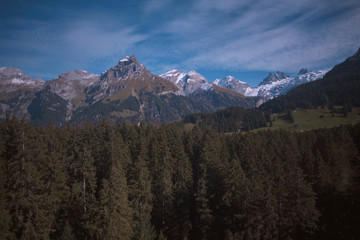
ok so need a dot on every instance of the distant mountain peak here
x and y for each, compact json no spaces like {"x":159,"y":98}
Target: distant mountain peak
{"x":126,"y":67}
{"x":274,"y":77}
{"x":125,"y":59}
{"x":14,"y":77}
{"x":77,"y":75}
{"x":193,"y":72}
{"x":232,"y":83}
{"x":229,"y":77}
{"x":128,"y":60}
{"x":303,"y":71}
{"x":7,"y":71}
{"x":187,"y":82}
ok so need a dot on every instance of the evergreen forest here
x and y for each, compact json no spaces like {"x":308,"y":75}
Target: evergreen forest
{"x":154,"y":183}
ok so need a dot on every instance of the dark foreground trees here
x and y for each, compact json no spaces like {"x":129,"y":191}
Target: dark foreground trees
{"x":142,"y":182}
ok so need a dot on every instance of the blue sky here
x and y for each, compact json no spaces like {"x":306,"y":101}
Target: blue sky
{"x":245,"y":39}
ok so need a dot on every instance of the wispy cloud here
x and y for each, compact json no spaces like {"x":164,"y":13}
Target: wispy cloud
{"x":267,"y":35}
{"x":91,"y":40}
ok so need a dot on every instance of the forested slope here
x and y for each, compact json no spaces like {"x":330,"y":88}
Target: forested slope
{"x":142,"y":182}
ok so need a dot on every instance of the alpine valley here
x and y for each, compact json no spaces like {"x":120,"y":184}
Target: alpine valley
{"x":128,"y":92}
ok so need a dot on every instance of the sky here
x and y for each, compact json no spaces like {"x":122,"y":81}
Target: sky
{"x":243,"y":38}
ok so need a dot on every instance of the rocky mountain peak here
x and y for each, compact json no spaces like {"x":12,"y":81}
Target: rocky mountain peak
{"x":128,"y":60}
{"x":274,"y":77}
{"x":197,"y":76}
{"x":232,"y":83}
{"x":126,"y":67}
{"x":303,"y":71}
{"x":8,"y":71}
{"x":13,"y":79}
{"x":229,"y":78}
{"x":187,"y":82}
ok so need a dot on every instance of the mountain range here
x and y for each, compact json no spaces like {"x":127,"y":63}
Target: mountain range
{"x":128,"y":92}
{"x":274,"y":85}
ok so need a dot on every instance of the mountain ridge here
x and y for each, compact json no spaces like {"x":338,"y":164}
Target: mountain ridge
{"x":129,"y":92}
{"x":125,"y":92}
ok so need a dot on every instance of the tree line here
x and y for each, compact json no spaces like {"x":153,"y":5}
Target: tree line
{"x":146,"y":182}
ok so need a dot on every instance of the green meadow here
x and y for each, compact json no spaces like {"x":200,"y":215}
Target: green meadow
{"x":306,"y":119}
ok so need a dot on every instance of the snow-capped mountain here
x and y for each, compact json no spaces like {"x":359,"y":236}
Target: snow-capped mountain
{"x":210,"y":96}
{"x":274,"y":85}
{"x":189,"y":82}
{"x":274,"y":77}
{"x":232,"y":83}
{"x":268,"y":89}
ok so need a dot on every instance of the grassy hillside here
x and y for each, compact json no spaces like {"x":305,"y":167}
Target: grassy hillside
{"x":306,"y":119}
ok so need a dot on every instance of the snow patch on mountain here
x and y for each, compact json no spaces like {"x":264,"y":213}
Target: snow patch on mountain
{"x":125,"y":59}
{"x":19,"y":81}
{"x":207,"y":86}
